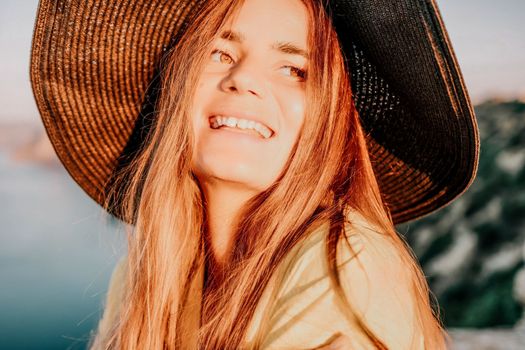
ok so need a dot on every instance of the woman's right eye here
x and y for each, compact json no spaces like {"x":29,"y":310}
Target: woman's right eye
{"x":217,"y":56}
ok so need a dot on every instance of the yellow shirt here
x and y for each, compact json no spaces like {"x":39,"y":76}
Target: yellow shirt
{"x":299,"y":308}
{"x":305,"y":312}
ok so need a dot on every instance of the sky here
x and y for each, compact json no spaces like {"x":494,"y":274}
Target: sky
{"x":487,"y":37}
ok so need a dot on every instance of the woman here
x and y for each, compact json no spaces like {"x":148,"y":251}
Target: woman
{"x":258,"y":218}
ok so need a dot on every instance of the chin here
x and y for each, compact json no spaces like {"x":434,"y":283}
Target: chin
{"x":213,"y":162}
{"x":239,"y":175}
{"x":243,"y":177}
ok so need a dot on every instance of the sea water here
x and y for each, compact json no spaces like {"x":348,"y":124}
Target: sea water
{"x":57,"y":252}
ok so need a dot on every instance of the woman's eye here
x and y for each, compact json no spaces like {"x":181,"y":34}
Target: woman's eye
{"x":223,"y":57}
{"x":219,"y":54}
{"x":296,"y":72}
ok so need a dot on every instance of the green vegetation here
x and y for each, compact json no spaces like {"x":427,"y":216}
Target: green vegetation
{"x":475,"y":290}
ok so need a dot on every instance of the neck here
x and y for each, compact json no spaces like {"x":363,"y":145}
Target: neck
{"x":224,"y":201}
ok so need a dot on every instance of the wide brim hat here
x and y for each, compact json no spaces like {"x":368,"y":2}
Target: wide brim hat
{"x":94,"y":72}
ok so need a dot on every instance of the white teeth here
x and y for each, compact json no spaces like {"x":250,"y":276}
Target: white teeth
{"x":231,"y":122}
{"x":218,"y":121}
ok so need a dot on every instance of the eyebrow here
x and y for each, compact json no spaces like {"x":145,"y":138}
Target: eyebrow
{"x":281,"y":46}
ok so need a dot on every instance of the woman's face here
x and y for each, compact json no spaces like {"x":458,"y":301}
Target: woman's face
{"x":249,"y":103}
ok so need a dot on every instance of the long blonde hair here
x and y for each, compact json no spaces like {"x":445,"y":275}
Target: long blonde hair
{"x":165,"y":201}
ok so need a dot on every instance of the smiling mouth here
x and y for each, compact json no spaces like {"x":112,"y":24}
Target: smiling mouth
{"x":244,"y":126}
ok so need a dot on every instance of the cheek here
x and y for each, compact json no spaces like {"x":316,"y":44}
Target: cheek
{"x":202,"y":93}
{"x":296,"y":110}
{"x":293,"y":111}
{"x":199,"y":123}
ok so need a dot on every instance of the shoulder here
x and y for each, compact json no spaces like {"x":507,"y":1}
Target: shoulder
{"x":117,"y":285}
{"x":304,"y":311}
{"x":113,"y":301}
{"x":379,"y":284}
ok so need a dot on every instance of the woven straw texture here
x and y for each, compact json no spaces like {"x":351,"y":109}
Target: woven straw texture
{"x":94,"y":66}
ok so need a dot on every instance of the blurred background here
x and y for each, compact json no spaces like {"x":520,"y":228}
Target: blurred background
{"x":57,"y":249}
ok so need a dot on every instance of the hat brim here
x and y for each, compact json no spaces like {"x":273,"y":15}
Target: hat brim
{"x":92,"y":71}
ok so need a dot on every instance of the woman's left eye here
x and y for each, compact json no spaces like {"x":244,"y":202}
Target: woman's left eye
{"x":296,"y":72}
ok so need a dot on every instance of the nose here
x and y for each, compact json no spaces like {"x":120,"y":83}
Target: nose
{"x":244,"y":77}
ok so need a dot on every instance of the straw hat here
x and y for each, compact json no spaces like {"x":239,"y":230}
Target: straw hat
{"x":94,"y":69}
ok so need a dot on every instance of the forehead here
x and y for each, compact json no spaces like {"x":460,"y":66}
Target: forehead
{"x":271,"y":20}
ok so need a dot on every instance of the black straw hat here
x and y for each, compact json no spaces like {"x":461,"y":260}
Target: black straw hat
{"x":94,"y":66}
